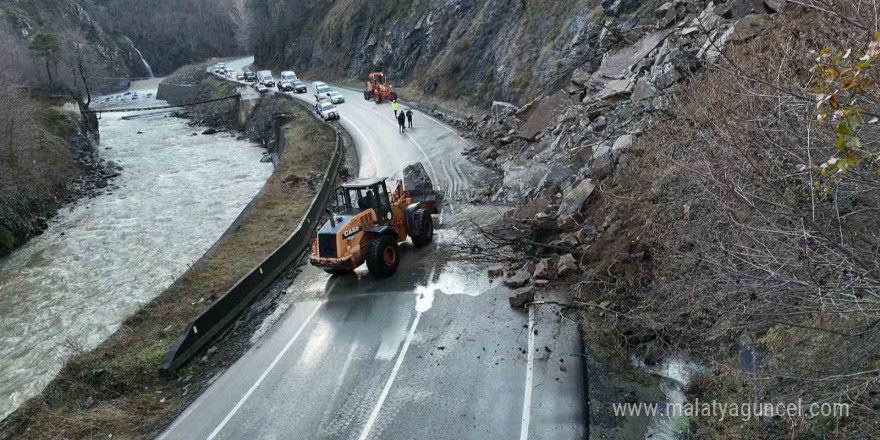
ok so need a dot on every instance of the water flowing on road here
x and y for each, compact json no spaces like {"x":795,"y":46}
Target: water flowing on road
{"x":104,"y":258}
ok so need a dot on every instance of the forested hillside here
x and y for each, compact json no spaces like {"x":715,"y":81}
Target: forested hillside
{"x":54,"y":53}
{"x":172,"y":33}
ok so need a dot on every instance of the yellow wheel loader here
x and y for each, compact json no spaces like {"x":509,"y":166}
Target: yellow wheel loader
{"x":368,"y":223}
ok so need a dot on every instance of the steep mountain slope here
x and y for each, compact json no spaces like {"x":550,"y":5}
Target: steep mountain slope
{"x":75,"y":30}
{"x":478,"y":50}
{"x":172,"y":33}
{"x":48,"y":148}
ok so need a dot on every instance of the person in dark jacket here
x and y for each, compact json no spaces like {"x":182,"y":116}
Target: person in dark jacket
{"x":401,"y":121}
{"x":409,"y":116}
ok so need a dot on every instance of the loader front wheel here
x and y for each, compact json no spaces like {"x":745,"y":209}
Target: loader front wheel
{"x":425,"y":223}
{"x":383,"y":256}
{"x":366,"y":95}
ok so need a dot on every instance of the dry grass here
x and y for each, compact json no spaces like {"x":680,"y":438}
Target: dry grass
{"x":718,"y":234}
{"x":36,"y":165}
{"x":116,"y":389}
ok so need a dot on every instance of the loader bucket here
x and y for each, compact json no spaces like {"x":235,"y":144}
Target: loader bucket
{"x":418,"y":185}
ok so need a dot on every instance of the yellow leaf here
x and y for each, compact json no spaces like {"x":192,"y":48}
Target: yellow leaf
{"x":851,"y":158}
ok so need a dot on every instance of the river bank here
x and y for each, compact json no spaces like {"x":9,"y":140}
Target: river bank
{"x":115,"y":389}
{"x":103,"y":258}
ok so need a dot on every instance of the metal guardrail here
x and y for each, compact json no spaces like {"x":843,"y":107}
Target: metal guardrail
{"x":227,"y":308}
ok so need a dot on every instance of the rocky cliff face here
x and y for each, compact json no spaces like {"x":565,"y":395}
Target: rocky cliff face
{"x":106,"y":56}
{"x":479,"y":50}
{"x":546,"y":147}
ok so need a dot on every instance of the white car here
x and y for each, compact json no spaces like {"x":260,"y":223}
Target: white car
{"x":230,"y":73}
{"x":321,"y":90}
{"x":326,"y":110}
{"x":288,"y":75}
{"x":335,"y":97}
{"x":261,"y":88}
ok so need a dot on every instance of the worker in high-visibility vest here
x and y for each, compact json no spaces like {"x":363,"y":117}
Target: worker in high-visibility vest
{"x":395,"y":106}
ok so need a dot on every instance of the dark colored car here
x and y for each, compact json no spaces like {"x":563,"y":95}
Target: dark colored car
{"x":299,"y":86}
{"x":285,"y":86}
{"x":250,"y":77}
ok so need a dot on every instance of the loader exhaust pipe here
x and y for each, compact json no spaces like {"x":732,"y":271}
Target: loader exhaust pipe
{"x":330,"y":213}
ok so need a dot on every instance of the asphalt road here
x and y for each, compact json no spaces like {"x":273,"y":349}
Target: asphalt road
{"x":434,"y":352}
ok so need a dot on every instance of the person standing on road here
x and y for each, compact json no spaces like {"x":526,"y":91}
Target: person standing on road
{"x":401,"y":121}
{"x":409,"y":117}
{"x":395,"y":106}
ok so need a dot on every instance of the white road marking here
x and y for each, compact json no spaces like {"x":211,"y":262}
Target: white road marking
{"x":262,"y":377}
{"x":332,"y":403}
{"x":527,"y":398}
{"x":375,"y":414}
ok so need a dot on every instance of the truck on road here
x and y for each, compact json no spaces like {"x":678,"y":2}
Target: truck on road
{"x":369,"y":220}
{"x":265,"y":78}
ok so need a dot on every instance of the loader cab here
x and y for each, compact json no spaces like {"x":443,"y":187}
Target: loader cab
{"x":359,"y":196}
{"x":378,"y":78}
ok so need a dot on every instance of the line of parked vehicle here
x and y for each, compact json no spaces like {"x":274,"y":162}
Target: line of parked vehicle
{"x":326,"y":98}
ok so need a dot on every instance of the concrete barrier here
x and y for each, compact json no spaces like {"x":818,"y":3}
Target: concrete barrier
{"x":227,"y":308}
{"x":176,"y":94}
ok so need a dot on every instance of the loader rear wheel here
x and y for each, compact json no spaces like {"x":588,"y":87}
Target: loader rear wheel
{"x":425,"y":223}
{"x":383,"y":256}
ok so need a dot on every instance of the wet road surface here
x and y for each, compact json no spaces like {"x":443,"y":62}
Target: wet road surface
{"x":434,"y":352}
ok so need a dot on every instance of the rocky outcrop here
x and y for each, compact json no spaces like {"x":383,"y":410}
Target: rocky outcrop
{"x":554,"y":151}
{"x":564,"y":142}
{"x":480,"y":50}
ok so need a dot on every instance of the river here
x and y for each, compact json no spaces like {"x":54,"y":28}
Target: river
{"x":102,"y":259}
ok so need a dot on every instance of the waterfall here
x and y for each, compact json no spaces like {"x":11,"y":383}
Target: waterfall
{"x":144,"y":61}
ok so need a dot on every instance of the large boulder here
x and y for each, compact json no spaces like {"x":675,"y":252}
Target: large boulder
{"x":575,"y":195}
{"x":502,"y":110}
{"x":622,"y":143}
{"x":545,"y":269}
{"x":517,"y":278}
{"x":528,"y":210}
{"x":543,"y":114}
{"x":643,"y":92}
{"x":522,"y":296}
{"x":418,"y":183}
{"x":566,"y":267}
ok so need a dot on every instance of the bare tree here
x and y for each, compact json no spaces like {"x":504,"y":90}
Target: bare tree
{"x":241,"y":23}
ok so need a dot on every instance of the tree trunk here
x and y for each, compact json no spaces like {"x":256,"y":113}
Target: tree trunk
{"x":49,"y":72}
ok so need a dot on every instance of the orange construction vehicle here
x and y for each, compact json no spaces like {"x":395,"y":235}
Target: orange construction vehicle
{"x":378,"y":88}
{"x":369,"y":221}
